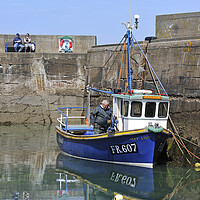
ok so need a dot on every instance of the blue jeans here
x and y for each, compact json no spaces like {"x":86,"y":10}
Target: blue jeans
{"x":18,"y":45}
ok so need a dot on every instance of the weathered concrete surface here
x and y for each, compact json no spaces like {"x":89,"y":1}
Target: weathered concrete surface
{"x":178,"y":25}
{"x":178,"y":65}
{"x":32,"y":86}
{"x":50,"y":43}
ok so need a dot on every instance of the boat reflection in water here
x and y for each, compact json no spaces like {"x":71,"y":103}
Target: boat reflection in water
{"x":107,"y":180}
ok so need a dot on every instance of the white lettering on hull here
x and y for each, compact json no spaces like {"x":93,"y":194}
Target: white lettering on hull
{"x":124,"y":148}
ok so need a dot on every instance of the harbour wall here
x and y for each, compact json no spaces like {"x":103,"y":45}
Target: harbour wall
{"x":34,"y":85}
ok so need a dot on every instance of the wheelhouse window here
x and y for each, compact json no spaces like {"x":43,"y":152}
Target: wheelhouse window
{"x":162,"y":109}
{"x":150,"y":109}
{"x":124,"y":108}
{"x":126,"y":105}
{"x":136,"y":109}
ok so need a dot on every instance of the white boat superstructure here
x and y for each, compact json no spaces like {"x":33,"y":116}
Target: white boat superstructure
{"x":140,"y":110}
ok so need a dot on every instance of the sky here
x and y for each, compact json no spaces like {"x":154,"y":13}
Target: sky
{"x":102,"y":18}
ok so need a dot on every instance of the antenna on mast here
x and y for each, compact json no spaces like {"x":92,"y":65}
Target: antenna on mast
{"x":136,"y":16}
{"x":128,"y":35}
{"x":130,"y":11}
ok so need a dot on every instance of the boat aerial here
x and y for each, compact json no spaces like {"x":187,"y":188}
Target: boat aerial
{"x":138,"y":132}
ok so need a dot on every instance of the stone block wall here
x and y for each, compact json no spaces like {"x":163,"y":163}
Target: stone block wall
{"x":33,"y":86}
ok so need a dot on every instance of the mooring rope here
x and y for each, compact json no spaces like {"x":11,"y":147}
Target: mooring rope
{"x":187,"y":140}
{"x":184,"y":146}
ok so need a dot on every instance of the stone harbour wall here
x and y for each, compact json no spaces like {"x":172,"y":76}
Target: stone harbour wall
{"x":33,"y":86}
{"x":36,"y":84}
{"x":180,"y":74}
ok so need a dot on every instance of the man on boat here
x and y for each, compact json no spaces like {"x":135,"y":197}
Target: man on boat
{"x":100,"y":118}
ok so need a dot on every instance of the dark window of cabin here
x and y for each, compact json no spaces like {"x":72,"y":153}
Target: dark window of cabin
{"x":162,"y":110}
{"x":122,"y":108}
{"x":136,"y":109}
{"x":150,"y":109}
{"x":126,"y":104}
{"x":119,"y":104}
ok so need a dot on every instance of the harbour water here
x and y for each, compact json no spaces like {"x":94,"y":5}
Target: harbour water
{"x":32,"y":167}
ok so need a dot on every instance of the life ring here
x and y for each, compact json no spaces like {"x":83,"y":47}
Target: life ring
{"x":70,"y":45}
{"x":61,"y":42}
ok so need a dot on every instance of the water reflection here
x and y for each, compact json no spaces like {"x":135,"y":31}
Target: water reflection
{"x":105,"y":181}
{"x":27,"y":162}
{"x":30,"y":168}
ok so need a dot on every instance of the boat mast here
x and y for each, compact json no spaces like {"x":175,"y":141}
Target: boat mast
{"x":128,"y":51}
{"x":130,"y":12}
{"x":128,"y":61}
{"x":129,"y":27}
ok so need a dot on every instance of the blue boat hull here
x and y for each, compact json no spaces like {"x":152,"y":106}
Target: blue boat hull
{"x":137,"y":148}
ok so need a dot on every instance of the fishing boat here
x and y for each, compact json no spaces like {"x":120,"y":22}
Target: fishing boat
{"x":138,"y":132}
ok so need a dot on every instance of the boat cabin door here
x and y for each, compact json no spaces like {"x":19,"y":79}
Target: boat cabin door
{"x":120,"y":110}
{"x":124,"y":114}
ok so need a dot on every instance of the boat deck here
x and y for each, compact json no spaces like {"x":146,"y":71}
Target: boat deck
{"x":82,"y":127}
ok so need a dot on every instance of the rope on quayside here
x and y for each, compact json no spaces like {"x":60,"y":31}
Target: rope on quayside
{"x":184,"y":146}
{"x":176,"y":131}
{"x":187,"y":140}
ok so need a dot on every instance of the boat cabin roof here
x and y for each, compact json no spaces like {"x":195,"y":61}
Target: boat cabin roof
{"x":142,"y":97}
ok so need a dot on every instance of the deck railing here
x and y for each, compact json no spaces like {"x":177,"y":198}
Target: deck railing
{"x":64,"y":118}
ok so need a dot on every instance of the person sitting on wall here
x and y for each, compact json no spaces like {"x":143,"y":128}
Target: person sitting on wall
{"x":28,"y":43}
{"x":100,"y":117}
{"x":17,"y":42}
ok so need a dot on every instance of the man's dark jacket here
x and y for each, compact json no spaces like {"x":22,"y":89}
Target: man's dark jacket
{"x":100,"y":116}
